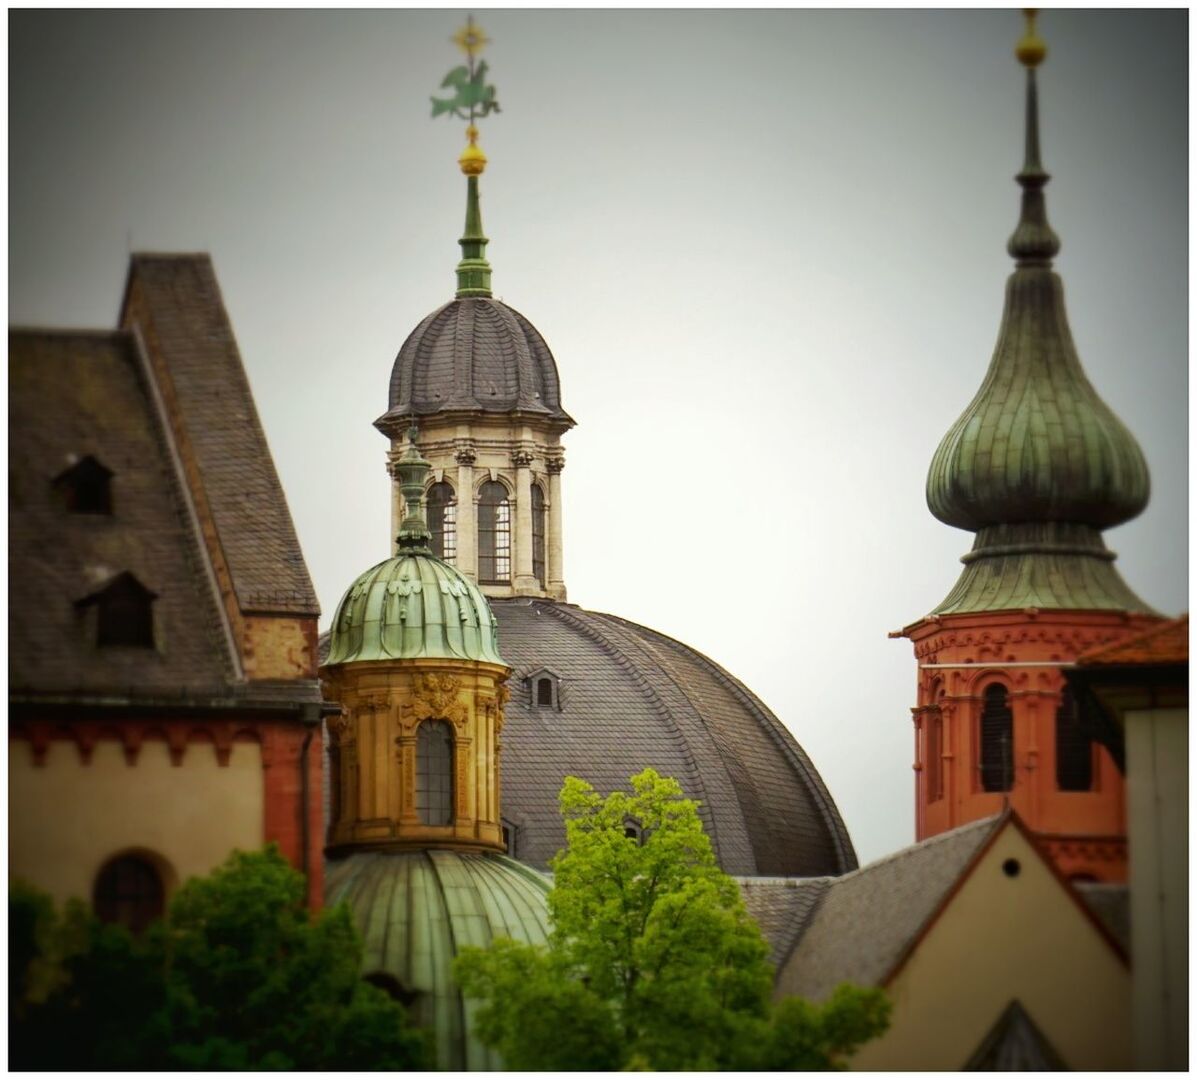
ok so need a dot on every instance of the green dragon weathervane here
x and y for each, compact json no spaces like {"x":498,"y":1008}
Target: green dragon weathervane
{"x":472,"y":99}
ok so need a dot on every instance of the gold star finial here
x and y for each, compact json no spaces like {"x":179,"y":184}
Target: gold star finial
{"x":470,"y":39}
{"x":1031,"y":48}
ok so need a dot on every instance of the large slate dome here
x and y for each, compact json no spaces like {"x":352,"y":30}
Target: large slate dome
{"x":475,"y":354}
{"x":628,"y":697}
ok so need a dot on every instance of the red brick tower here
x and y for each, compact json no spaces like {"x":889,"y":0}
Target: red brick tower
{"x":1037,"y":466}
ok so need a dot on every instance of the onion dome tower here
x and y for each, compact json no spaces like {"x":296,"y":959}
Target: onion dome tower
{"x":1036,"y":466}
{"x":414,"y":838}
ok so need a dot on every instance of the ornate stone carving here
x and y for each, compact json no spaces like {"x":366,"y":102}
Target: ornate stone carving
{"x":521,"y":459}
{"x":554,"y":463}
{"x":435,"y":697}
{"x":465,"y":454}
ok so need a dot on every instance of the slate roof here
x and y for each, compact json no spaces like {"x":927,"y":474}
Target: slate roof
{"x":782,"y":908}
{"x":631,"y":698}
{"x":1015,"y":1044}
{"x":474,"y":354}
{"x":1111,"y":905}
{"x":175,"y":302}
{"x":73,"y":395}
{"x":867,"y":920}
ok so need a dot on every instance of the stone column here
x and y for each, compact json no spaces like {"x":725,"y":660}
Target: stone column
{"x":467,"y":516}
{"x":523,"y":579}
{"x":554,"y":549}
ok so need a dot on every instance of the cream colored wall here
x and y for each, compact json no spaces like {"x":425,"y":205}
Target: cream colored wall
{"x":65,"y":818}
{"x":1000,"y":939}
{"x":1157,"y":787}
{"x":469,"y":453}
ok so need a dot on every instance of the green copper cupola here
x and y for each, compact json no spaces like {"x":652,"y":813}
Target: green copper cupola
{"x":1038,"y":464}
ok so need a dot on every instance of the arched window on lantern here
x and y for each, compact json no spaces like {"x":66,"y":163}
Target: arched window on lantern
{"x":538,"y":534}
{"x":1074,"y":748}
{"x":129,"y":891}
{"x":997,"y":739}
{"x":494,"y":534}
{"x":934,"y":737}
{"x":442,"y":520}
{"x":434,"y":773}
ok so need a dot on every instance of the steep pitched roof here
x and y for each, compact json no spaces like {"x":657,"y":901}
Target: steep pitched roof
{"x":1015,"y":1044}
{"x":1110,"y":905}
{"x":175,"y":305}
{"x":782,"y":908}
{"x":73,"y":395}
{"x":868,"y":920}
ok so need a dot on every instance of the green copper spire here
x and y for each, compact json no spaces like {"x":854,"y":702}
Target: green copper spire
{"x":1037,"y":465}
{"x":473,"y":99}
{"x":412,"y":473}
{"x":473,"y":272}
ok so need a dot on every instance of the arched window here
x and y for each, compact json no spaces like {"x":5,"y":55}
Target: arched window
{"x":934,"y":722}
{"x":442,"y":521}
{"x":494,"y":534}
{"x":538,"y":534}
{"x":434,"y":773}
{"x":544,"y":690}
{"x":1074,"y":750}
{"x":129,"y":891}
{"x":997,"y":739}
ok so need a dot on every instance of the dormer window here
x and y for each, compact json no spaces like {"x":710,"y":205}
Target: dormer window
{"x":510,"y":837}
{"x":85,"y":487}
{"x":633,"y":830}
{"x":124,"y":613}
{"x":543,"y":687}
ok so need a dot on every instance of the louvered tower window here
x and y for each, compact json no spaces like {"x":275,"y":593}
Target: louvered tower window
{"x":434,"y":773}
{"x":442,"y":521}
{"x":494,"y":534}
{"x":997,"y":739}
{"x":1074,"y":750}
{"x":129,"y":891}
{"x":538,"y":534}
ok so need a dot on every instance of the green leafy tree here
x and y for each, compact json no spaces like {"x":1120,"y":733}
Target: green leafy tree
{"x":654,"y":962}
{"x":238,"y":975}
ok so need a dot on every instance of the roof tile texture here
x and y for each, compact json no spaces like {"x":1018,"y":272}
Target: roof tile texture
{"x":176,"y":304}
{"x":1164,"y":644}
{"x":71,"y":395}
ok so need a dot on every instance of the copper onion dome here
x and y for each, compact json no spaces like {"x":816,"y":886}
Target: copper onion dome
{"x":1037,"y":464}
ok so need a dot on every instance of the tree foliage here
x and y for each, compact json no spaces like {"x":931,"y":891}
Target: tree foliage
{"x":653,"y":962}
{"x":238,"y":975}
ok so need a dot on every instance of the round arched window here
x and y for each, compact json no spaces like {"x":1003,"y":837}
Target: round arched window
{"x":129,"y":891}
{"x":442,"y":521}
{"x":494,"y":534}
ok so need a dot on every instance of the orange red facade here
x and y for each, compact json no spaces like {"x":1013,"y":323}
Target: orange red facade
{"x":960,"y":658}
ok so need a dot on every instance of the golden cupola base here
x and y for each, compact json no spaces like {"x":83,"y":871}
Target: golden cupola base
{"x":414,"y":755}
{"x":414,"y":664}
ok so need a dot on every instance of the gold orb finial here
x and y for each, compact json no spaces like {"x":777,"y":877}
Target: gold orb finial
{"x":472,"y":160}
{"x":1031,"y":48}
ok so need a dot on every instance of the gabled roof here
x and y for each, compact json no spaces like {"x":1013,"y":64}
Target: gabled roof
{"x":868,"y":921}
{"x":174,"y":303}
{"x":1015,"y":1044}
{"x":782,"y":908}
{"x":74,"y":394}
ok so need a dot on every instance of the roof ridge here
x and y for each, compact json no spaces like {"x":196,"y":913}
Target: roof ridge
{"x":1094,"y":656}
{"x":993,"y":821}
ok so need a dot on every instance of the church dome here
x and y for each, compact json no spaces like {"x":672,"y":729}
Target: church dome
{"x":599,"y":697}
{"x":621,"y":697}
{"x":475,"y":354}
{"x":412,"y":605}
{"x":415,"y":909}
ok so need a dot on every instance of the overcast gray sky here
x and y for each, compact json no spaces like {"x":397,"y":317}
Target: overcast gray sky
{"x":767,"y":249}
